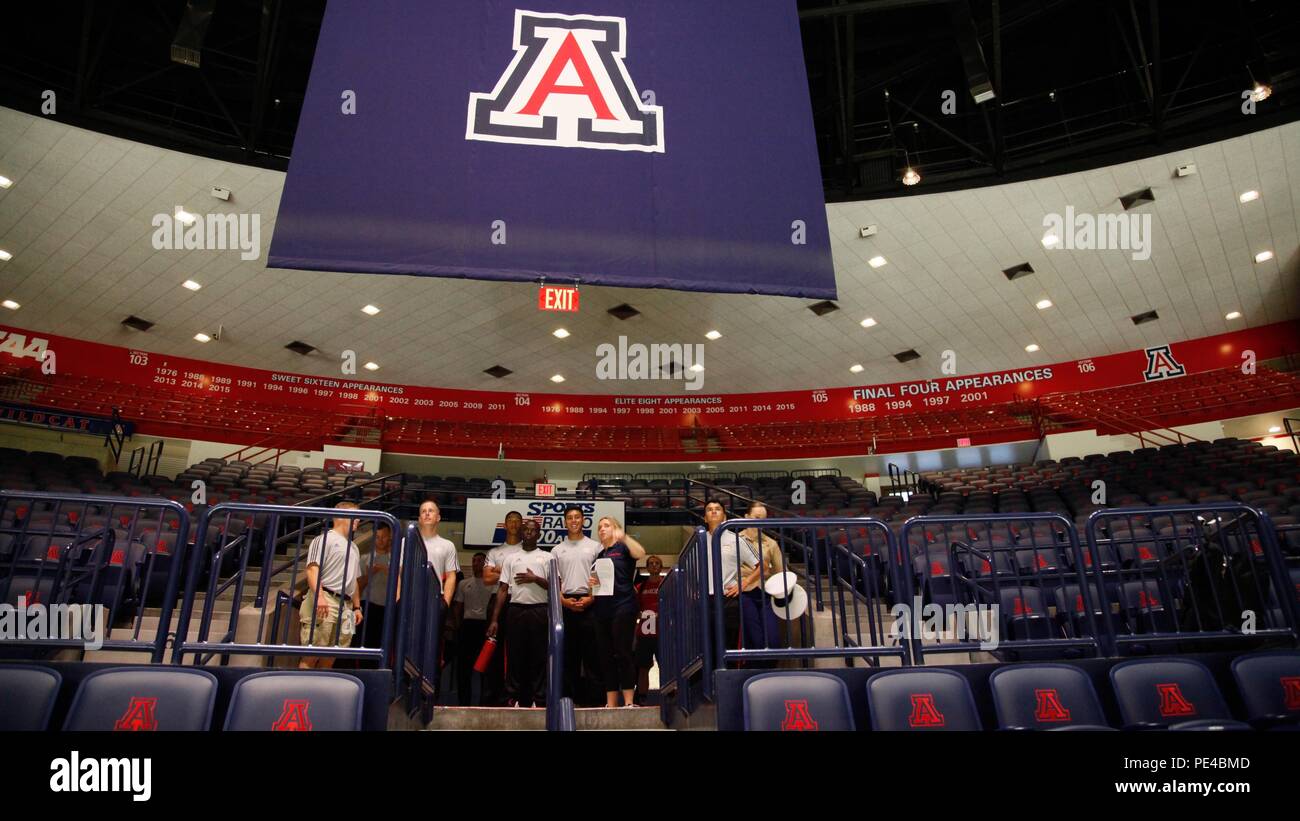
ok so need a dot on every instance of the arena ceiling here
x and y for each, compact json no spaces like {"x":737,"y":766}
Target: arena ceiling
{"x":1090,"y":105}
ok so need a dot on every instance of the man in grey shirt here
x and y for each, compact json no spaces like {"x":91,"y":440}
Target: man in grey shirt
{"x":573,"y":560}
{"x":469,"y":614}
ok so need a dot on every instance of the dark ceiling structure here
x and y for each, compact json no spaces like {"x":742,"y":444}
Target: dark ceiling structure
{"x":964,"y":92}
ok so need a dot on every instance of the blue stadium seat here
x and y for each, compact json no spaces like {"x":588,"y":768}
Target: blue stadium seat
{"x":296,"y":701}
{"x":1270,"y":687}
{"x":1046,"y":697}
{"x":29,"y":694}
{"x":1174,"y":694}
{"x":921,"y":700}
{"x":143,"y":698}
{"x":797,"y":701}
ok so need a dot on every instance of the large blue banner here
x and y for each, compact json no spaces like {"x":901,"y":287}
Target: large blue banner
{"x":648,"y":144}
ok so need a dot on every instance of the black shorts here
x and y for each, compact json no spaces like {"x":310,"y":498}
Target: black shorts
{"x":647,"y":651}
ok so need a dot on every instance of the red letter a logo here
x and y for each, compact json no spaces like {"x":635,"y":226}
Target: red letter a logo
{"x":924,"y":713}
{"x":1173,"y":703}
{"x":570,"y":53}
{"x":293,"y":717}
{"x":1291,"y":689}
{"x":797,"y":716}
{"x":138,"y":716}
{"x":1049,"y":707}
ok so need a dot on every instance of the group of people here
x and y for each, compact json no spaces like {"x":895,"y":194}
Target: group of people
{"x":610,"y":636}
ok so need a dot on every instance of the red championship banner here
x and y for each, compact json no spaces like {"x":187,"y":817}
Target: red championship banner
{"x":180,"y":376}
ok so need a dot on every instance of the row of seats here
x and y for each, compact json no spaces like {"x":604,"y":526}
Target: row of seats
{"x":180,"y":699}
{"x":1152,"y":694}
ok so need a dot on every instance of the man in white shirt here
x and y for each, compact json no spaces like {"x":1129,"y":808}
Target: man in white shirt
{"x":470,"y":614}
{"x":523,"y":579}
{"x":494,"y":682}
{"x":331,"y":609}
{"x":442,"y":552}
{"x":573,"y":560}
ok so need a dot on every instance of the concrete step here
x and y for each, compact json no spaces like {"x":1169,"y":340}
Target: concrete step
{"x":514,"y":718}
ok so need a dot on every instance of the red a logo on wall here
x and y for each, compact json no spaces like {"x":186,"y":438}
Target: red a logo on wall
{"x":293,"y":717}
{"x":1162,"y":365}
{"x":797,"y":717}
{"x":1291,"y":691}
{"x":1049,"y":707}
{"x":924,"y":713}
{"x":139,"y":715}
{"x":1172,"y":702}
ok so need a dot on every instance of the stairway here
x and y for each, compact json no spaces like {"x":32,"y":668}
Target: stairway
{"x":513,"y":718}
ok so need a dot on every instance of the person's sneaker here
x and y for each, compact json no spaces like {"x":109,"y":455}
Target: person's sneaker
{"x":625,"y":706}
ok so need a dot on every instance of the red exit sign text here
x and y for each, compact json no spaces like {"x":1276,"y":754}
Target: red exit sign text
{"x":556,"y":298}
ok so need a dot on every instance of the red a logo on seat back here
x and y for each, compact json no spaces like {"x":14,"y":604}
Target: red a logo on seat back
{"x":1291,"y":690}
{"x":1145,"y":554}
{"x":1049,"y":707}
{"x":797,"y":716}
{"x":1042,"y":562}
{"x":936,"y":569}
{"x":138,"y":716}
{"x":1146,"y":599}
{"x":293,"y":717}
{"x":1172,"y":702}
{"x":118,"y":557}
{"x":1021,"y":608}
{"x":924,"y":713}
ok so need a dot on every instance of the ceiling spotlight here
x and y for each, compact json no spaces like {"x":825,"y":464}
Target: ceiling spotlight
{"x":1031,"y":347}
{"x":203,"y":337}
{"x":560,"y":333}
{"x":5,"y":182}
{"x":11,"y":305}
{"x":191,"y":284}
{"x":1275,"y":429}
{"x":855,"y":369}
{"x":1050,"y":239}
{"x":1263,"y":256}
{"x":557,"y":378}
{"x":868,"y":322}
{"x":696,"y":368}
{"x":1248,"y":196}
{"x":370,"y":310}
{"x":1261,"y":92}
{"x":371,"y":366}
{"x":5,"y":256}
{"x":1233,"y":315}
{"x":184,"y":217}
{"x":713,"y":335}
{"x":911,"y":176}
{"x":876,"y":261}
{"x":1043,"y":304}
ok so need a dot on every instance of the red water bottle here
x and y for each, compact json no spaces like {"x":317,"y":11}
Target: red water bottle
{"x":485,"y":656}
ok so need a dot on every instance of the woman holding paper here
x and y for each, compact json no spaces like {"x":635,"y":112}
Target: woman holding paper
{"x":616,"y":609}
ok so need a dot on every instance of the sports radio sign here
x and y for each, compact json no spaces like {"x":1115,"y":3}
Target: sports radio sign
{"x":485,"y":520}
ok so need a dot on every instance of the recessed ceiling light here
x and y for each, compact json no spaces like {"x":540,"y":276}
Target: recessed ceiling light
{"x":557,"y":378}
{"x":990,"y":413}
{"x":1275,"y":429}
{"x":5,"y":182}
{"x":191,"y":284}
{"x":560,"y":333}
{"x":876,"y":261}
{"x":713,"y":335}
{"x":1233,"y":315}
{"x":5,"y":256}
{"x":184,"y":217}
{"x":1031,"y":347}
{"x":855,"y":368}
{"x":869,"y":322}
{"x":11,"y":305}
{"x":911,"y":176}
{"x":1248,"y":196}
{"x":203,"y":337}
{"x":372,"y":366}
{"x":697,"y":368}
{"x":369,"y":309}
{"x":1261,"y":92}
{"x":1263,"y":256}
{"x":1050,"y":239}
{"x":1043,"y":304}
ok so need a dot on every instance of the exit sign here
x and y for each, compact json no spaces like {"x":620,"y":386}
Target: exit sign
{"x":544,"y":490}
{"x":557,"y":298}
{"x":964,"y":442}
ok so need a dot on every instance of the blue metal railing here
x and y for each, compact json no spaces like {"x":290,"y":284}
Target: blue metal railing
{"x":559,"y":707}
{"x":134,"y":560}
{"x":683,"y":634}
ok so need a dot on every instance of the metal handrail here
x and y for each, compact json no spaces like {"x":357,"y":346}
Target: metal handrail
{"x":555,"y":713}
